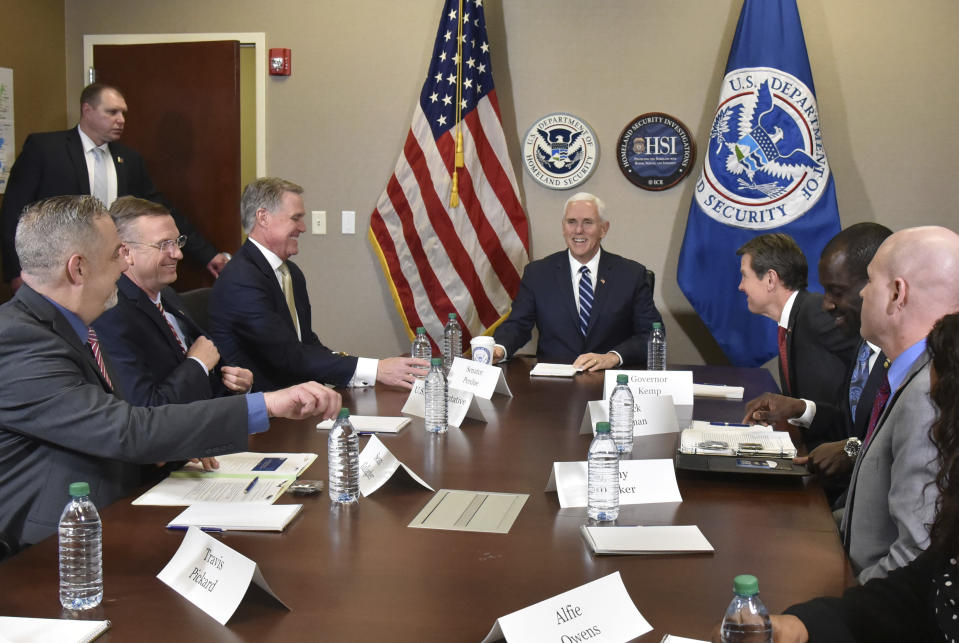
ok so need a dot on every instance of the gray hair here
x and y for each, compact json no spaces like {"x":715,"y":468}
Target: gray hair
{"x":266,"y":193}
{"x":591,"y":198}
{"x":51,"y":230}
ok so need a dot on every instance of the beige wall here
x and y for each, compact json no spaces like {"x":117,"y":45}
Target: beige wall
{"x":884,"y":73}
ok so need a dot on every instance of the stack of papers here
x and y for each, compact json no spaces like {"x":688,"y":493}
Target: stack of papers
{"x":543,"y":369}
{"x":17,"y":629}
{"x":230,"y":516}
{"x":719,"y":390}
{"x":720,"y":438}
{"x":667,"y":539}
{"x":371,"y":423}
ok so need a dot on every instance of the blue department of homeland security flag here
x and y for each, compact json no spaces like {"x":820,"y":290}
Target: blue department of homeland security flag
{"x":764,"y":170}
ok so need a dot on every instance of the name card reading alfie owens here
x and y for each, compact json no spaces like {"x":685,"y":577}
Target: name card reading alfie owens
{"x":597,"y":611}
{"x":212,"y":576}
{"x":482,"y":380}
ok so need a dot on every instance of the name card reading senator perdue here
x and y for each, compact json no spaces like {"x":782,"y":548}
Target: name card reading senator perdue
{"x":212,"y":576}
{"x":599,"y":611}
{"x":482,"y":380}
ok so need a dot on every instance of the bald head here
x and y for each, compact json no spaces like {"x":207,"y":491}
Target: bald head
{"x":912,"y":284}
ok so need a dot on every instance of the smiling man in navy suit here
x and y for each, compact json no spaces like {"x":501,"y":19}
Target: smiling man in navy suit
{"x":592,"y":308}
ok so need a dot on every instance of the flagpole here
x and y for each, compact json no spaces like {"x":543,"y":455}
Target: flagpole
{"x":458,"y":161}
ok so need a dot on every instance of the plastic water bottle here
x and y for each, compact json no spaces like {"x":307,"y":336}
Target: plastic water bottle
{"x":435,"y":394}
{"x":656,"y":349}
{"x":421,"y":348}
{"x":746,"y":620}
{"x":81,"y":547}
{"x":621,"y":414}
{"x":603,"y":476}
{"x":343,"y":454}
{"x":452,"y":342}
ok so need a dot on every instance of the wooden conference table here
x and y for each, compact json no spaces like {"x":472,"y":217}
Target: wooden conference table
{"x":360,"y":574}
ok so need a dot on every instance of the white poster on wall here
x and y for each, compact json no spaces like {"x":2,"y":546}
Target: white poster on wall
{"x":7,"y":143}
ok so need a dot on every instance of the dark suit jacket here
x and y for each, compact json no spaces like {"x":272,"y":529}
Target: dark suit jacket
{"x":251,"y":326}
{"x":622,"y":316}
{"x":819,"y":352}
{"x":52,"y":164}
{"x":151,"y":368}
{"x":59,"y":423}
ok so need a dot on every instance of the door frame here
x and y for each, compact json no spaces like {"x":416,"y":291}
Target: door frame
{"x":256,"y":39}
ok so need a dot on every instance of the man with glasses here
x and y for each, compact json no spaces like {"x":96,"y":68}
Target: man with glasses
{"x":160,"y":355}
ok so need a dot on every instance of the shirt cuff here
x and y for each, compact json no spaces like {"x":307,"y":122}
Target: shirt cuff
{"x":199,"y":361}
{"x":257,"y":419}
{"x":365,"y":373}
{"x":616,"y":353}
{"x":805,"y":420}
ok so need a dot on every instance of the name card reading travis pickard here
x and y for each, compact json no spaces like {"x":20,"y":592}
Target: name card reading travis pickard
{"x":600,"y":610}
{"x":212,"y":576}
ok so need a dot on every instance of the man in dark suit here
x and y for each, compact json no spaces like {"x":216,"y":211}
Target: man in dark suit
{"x":813,"y":352}
{"x":159,"y":354}
{"x":592,"y":308}
{"x":260,"y":315}
{"x":67,"y":162}
{"x":59,"y":419}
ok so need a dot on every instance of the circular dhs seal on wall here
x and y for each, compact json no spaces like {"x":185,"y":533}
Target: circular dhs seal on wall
{"x":655,"y":151}
{"x":765,"y":165}
{"x":560,"y":151}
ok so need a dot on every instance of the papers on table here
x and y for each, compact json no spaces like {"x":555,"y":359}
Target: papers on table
{"x":471,"y":511}
{"x":721,"y":438}
{"x":231,"y":516}
{"x":666,"y":539}
{"x":371,"y":423}
{"x":718,"y":390}
{"x":543,"y":369}
{"x":640,"y":482}
{"x":669,"y":638}
{"x":29,"y":630}
{"x":250,"y":465}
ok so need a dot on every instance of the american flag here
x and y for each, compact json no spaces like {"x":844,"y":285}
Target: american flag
{"x":466,"y":259}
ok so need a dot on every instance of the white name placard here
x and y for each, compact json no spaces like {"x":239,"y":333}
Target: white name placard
{"x":212,"y":576}
{"x":640,"y":482}
{"x":600,"y":611}
{"x":678,"y":384}
{"x":482,"y":380}
{"x":459,"y":405}
{"x":377,"y":465}
{"x":652,"y":414}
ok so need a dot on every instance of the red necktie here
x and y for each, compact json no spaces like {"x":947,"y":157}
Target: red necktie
{"x":95,"y":349}
{"x":882,"y":396}
{"x":783,"y":360}
{"x":170,"y":326}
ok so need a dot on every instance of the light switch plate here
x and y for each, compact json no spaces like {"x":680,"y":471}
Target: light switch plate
{"x":349,"y":222}
{"x":319,"y":221}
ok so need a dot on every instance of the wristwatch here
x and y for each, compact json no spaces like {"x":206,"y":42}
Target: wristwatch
{"x":853,"y":445}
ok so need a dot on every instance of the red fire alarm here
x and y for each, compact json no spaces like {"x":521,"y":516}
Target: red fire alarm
{"x":280,"y":64}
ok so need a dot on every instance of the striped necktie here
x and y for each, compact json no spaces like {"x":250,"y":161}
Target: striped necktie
{"x":170,"y":325}
{"x":859,"y":376}
{"x":98,"y":356}
{"x":585,"y":299}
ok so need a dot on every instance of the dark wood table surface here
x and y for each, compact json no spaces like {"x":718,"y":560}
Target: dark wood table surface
{"x":359,"y":574}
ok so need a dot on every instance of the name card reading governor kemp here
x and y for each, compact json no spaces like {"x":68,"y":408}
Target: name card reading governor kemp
{"x":600,"y":610}
{"x":460,"y":405}
{"x":482,"y":380}
{"x":679,"y":384}
{"x":212,"y":576}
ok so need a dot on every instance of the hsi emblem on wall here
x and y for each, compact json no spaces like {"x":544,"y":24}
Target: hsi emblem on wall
{"x":765,"y":165}
{"x":560,"y":151}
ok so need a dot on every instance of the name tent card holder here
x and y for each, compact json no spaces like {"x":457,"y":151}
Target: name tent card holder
{"x":678,"y":384}
{"x":640,"y":482}
{"x":600,"y":611}
{"x":377,"y":465}
{"x":460,"y":405}
{"x":212,"y":576}
{"x":652,"y":414}
{"x":482,"y":380}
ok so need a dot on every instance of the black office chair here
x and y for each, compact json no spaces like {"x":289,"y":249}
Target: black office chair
{"x":196,"y":302}
{"x":650,"y":280}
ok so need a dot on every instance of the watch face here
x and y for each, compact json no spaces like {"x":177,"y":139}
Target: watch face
{"x":852,"y":447}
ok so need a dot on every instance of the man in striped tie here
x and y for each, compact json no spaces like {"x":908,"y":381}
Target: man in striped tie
{"x":592,"y":308}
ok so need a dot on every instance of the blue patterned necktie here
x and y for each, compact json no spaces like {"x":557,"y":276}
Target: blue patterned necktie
{"x":585,"y":299}
{"x":859,"y":376}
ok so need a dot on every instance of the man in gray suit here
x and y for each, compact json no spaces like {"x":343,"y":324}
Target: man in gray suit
{"x":59,"y":419}
{"x":892,"y":495}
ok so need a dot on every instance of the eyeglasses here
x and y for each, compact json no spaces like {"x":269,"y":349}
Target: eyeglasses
{"x":164,"y":246}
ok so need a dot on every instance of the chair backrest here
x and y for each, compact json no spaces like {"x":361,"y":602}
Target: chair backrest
{"x":650,"y":280}
{"x":196,"y":302}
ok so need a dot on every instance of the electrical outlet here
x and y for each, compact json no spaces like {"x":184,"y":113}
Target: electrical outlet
{"x":319,"y":221}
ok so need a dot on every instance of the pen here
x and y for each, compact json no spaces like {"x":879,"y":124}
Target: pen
{"x":185,"y":527}
{"x":745,"y":426}
{"x":250,"y":486}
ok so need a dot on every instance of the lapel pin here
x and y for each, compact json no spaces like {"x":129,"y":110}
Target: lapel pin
{"x":119,"y":159}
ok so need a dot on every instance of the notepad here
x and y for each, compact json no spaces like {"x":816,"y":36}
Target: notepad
{"x":660,"y":539}
{"x":721,"y":438}
{"x":543,"y":369}
{"x":371,"y":423}
{"x":719,"y":390}
{"x":29,"y":630}
{"x":220,"y":516}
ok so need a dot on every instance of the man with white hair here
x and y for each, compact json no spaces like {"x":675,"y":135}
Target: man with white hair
{"x":892,"y":496}
{"x":592,"y":308}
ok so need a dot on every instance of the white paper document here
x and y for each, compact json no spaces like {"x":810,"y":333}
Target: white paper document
{"x":669,"y":638}
{"x":652,"y":414}
{"x":178,"y":492}
{"x":251,"y":465}
{"x":232,"y":516}
{"x":721,"y":438}
{"x":378,"y":464}
{"x":655,"y":539}
{"x":15,"y":629}
{"x":371,"y":423}
{"x":600,"y":611}
{"x":640,"y":482}
{"x":459,"y":510}
{"x":212,"y":576}
{"x":544,"y":369}
{"x":718,"y":390}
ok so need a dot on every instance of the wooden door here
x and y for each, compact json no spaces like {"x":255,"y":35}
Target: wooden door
{"x":184,"y":119}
